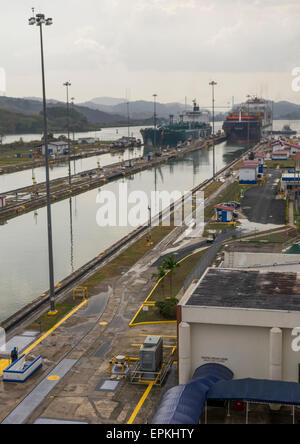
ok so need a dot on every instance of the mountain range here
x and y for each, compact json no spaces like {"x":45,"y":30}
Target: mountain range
{"x":103,"y":111}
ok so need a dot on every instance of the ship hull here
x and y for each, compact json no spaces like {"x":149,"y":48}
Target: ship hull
{"x":243,"y":132}
{"x":165,"y":137}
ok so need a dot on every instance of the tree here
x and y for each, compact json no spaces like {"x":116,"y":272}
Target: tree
{"x":161,"y":272}
{"x":170,"y":265}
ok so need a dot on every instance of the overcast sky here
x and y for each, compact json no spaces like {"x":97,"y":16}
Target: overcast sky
{"x":170,"y":47}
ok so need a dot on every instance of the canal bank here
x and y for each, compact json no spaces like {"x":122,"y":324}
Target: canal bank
{"x":90,"y":267}
{"x":91,"y":179}
{"x":77,"y":238}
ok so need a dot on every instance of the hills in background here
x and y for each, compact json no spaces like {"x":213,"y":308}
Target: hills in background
{"x":20,"y":115}
{"x":139,"y":109}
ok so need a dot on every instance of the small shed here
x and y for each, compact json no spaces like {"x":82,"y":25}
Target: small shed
{"x":223,"y":213}
{"x":281,"y":155}
{"x":56,"y":148}
{"x":248,"y":173}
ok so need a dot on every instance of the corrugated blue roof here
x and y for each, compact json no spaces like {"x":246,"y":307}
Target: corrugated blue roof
{"x":184,"y":404}
{"x":254,"y":390}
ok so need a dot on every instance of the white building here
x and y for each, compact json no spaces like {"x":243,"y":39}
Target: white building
{"x":248,"y":173}
{"x":56,"y":148}
{"x":87,"y":140}
{"x":280,"y":155}
{"x":244,"y":320}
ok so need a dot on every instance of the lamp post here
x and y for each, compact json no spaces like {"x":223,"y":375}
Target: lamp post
{"x":248,"y":97}
{"x":213,"y":84}
{"x":40,"y":20}
{"x":155,"y":96}
{"x":67,"y":85}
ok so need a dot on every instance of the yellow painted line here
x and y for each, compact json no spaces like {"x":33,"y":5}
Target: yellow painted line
{"x":147,"y":302}
{"x":140,"y":404}
{"x":49,"y":332}
{"x":4,"y":363}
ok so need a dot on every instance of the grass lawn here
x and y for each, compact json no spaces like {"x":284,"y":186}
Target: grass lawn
{"x":275,"y":238}
{"x":273,"y":164}
{"x":152,"y":315}
{"x":212,"y":188}
{"x":49,"y":321}
{"x":163,"y":290}
{"x":128,"y":258}
{"x":231,"y":193}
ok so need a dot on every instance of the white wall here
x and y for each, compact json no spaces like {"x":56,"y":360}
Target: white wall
{"x":248,"y":174}
{"x":245,"y":350}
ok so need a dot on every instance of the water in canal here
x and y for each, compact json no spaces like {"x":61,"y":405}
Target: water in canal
{"x":76,"y":236}
{"x":22,"y":179}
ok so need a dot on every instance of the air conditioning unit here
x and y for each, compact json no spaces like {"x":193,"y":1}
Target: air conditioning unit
{"x":151,"y":354}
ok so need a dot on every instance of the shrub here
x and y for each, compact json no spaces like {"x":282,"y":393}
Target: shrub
{"x":167,"y":307}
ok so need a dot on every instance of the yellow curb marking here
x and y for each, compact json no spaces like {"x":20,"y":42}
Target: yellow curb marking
{"x":140,"y":404}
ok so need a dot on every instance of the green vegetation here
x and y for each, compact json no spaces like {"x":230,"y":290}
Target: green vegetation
{"x":46,"y":322}
{"x":128,"y":258}
{"x":163,"y":290}
{"x":282,"y":164}
{"x":167,"y":308}
{"x":16,"y":123}
{"x":170,"y":265}
{"x":276,"y":238}
{"x":231,"y":193}
{"x":212,"y":188}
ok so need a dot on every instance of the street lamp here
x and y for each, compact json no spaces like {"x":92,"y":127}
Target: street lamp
{"x":154,"y":95}
{"x":248,"y":97}
{"x":213,"y":84}
{"x":67,"y":85}
{"x":39,"y":20}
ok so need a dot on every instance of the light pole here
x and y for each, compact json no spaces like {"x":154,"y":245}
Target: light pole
{"x":155,"y":96}
{"x":39,"y":20}
{"x":213,"y":84}
{"x":72,"y":103}
{"x":248,"y":97}
{"x":128,"y":116}
{"x":67,"y":85}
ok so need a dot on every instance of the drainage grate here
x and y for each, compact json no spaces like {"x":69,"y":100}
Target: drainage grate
{"x":107,"y":385}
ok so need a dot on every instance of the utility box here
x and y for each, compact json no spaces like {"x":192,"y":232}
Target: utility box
{"x":151,"y":354}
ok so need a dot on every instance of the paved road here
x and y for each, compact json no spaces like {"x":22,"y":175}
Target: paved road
{"x":259,"y":204}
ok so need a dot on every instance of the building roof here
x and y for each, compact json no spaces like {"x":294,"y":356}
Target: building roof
{"x":60,"y":143}
{"x":248,"y":165}
{"x":260,"y":155}
{"x":280,"y":152}
{"x":262,"y":290}
{"x":224,"y":208}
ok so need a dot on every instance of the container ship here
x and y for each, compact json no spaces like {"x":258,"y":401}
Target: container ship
{"x":247,"y":123}
{"x":191,"y":126}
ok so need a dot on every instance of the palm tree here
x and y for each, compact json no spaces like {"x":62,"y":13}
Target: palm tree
{"x":161,"y":272}
{"x":170,"y":264}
